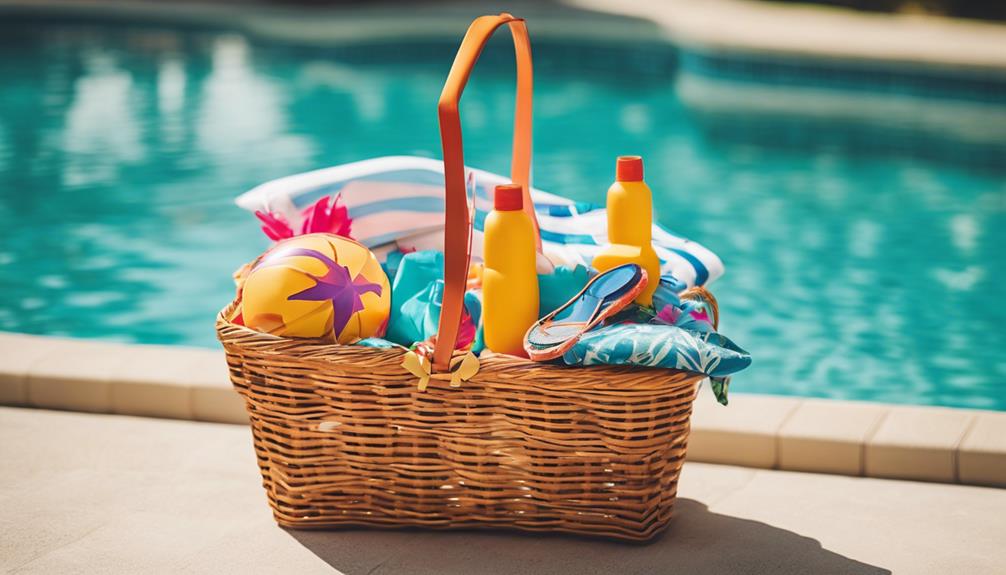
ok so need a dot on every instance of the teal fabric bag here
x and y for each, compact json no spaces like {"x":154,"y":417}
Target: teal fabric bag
{"x":416,"y":296}
{"x":560,"y":286}
{"x":417,"y":290}
{"x":419,"y":316}
{"x":414,"y":273}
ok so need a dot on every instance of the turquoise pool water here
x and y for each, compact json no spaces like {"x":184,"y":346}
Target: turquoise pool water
{"x":864,"y":256}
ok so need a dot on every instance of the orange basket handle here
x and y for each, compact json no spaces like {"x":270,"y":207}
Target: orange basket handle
{"x":458,"y":225}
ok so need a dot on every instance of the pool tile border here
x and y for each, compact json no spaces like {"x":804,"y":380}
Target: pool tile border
{"x":17,"y":354}
{"x":745,"y":433}
{"x":829,"y":436}
{"x":917,"y":442}
{"x":979,"y":455}
{"x":799,"y":434}
{"x":151,"y":382}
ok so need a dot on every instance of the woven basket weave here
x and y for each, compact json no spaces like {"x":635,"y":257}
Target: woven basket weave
{"x":345,"y":437}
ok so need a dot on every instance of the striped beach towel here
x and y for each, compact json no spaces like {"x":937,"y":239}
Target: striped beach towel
{"x":397,"y":202}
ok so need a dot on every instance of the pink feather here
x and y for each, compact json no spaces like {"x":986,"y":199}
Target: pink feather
{"x":276,"y":227}
{"x":322,"y":218}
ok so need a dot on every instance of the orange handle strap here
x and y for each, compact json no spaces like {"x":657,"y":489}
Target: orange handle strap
{"x":458,"y":225}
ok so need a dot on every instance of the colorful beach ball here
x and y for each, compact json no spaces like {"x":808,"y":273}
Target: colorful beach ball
{"x":318,"y":285}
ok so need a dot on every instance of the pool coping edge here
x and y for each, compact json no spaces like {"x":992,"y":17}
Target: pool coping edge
{"x":722,"y":26}
{"x":939,"y":444}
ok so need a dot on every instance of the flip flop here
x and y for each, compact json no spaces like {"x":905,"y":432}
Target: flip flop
{"x":603,"y":296}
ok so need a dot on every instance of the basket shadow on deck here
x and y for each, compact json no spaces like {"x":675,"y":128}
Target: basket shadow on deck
{"x":697,"y":541}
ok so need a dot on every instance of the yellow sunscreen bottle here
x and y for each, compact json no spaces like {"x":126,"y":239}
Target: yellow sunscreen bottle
{"x":509,"y":278}
{"x":630,"y":221}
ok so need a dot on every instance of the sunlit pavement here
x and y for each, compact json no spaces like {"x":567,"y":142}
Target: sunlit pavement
{"x":83,"y":493}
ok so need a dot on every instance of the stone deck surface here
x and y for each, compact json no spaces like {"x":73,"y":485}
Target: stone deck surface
{"x":89,"y":493}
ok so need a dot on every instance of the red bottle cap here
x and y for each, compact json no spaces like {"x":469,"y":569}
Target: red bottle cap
{"x":629,"y":169}
{"x":509,"y":198}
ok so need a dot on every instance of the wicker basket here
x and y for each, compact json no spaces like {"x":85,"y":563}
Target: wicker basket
{"x":345,"y":437}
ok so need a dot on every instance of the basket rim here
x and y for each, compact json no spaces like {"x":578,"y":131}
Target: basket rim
{"x":323,"y":352}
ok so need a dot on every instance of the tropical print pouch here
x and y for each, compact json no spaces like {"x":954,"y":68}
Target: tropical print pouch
{"x":667,"y":346}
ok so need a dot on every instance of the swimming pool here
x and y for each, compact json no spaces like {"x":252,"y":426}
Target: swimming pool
{"x":864,"y":256}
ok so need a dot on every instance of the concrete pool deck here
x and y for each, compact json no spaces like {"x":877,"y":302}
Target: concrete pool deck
{"x":770,"y":432}
{"x":716,"y":25}
{"x":822,"y":31}
{"x":119,"y":494}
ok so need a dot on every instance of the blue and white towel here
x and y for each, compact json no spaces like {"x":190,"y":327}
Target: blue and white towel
{"x":397,"y":202}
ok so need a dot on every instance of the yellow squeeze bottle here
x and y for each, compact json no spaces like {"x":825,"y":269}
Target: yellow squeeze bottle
{"x":509,"y":276}
{"x":630,"y":221}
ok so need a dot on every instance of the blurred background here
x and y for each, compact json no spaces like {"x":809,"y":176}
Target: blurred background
{"x":858,"y":200}
{"x":979,"y":9}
